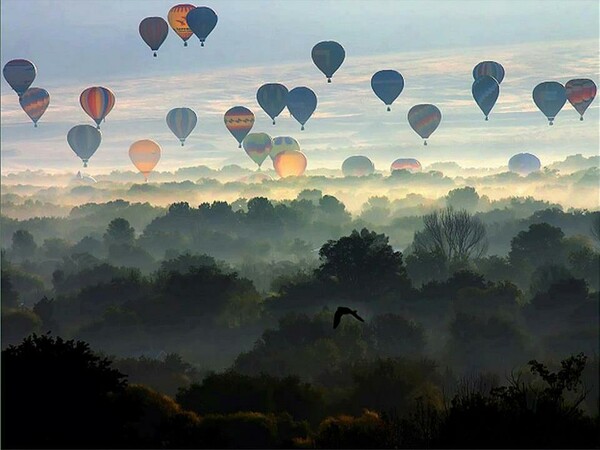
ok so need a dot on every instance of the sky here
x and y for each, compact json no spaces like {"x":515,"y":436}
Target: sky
{"x":433,"y":44}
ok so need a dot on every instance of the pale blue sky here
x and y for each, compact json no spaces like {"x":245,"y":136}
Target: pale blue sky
{"x":434,"y":44}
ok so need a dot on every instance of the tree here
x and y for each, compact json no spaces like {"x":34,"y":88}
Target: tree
{"x":541,"y":244}
{"x":595,"y":228}
{"x":465,"y":198}
{"x":8,"y":294}
{"x":393,"y":335}
{"x":456,"y":235}
{"x":119,"y":232}
{"x":23,"y":244}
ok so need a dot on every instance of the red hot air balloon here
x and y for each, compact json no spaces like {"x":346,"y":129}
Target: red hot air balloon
{"x":97,"y":102}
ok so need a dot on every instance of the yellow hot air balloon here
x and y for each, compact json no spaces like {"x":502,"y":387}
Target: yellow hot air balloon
{"x":290,"y":163}
{"x":144,"y":155}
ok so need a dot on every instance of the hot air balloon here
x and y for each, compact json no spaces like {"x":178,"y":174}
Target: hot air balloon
{"x":357,"y":166}
{"x":328,"y":56}
{"x":153,"y":31}
{"x":202,"y":21}
{"x":290,"y":163}
{"x":387,"y":85}
{"x":34,"y":102}
{"x":182,"y":122}
{"x":258,"y":146}
{"x":301,"y":103}
{"x":84,"y":140}
{"x":410,"y":164}
{"x":177,"y":20}
{"x":485,"y":92}
{"x":424,"y":119}
{"x":19,"y":74}
{"x":271,"y":98}
{"x":524,"y":164}
{"x":550,"y":97}
{"x":239,"y":122}
{"x":580,"y":93}
{"x":144,"y":155}
{"x":97,"y":102}
{"x":283,"y":143}
{"x":489,"y":68}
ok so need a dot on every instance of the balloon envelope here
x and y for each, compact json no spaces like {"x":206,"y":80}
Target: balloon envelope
{"x":202,"y":21}
{"x":328,"y":56}
{"x":144,"y":155}
{"x":524,"y":163}
{"x":19,"y":74}
{"x":424,"y":119}
{"x":182,"y":122}
{"x":410,"y":164}
{"x":357,"y":166}
{"x":485,"y":92}
{"x":581,"y":93}
{"x":34,"y":102}
{"x":177,"y":20}
{"x":258,"y":146}
{"x":489,"y":68}
{"x":97,"y":102}
{"x":84,"y":140}
{"x":153,"y":31}
{"x":290,"y":163}
{"x":387,"y":85}
{"x":239,"y":121}
{"x":283,"y":143}
{"x":301,"y":103}
{"x":550,"y":97}
{"x":271,"y":98}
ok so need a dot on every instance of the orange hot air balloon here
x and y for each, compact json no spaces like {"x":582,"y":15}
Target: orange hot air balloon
{"x":179,"y":23}
{"x":290,"y":163}
{"x":144,"y":155}
{"x":97,"y":102}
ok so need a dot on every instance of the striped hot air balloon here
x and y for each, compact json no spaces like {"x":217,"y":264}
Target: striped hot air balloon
{"x":410,"y":164}
{"x":97,"y":102}
{"x":239,"y":121}
{"x":34,"y":102}
{"x":424,"y":119}
{"x":182,"y":122}
{"x":489,"y":68}
{"x":485,"y":92}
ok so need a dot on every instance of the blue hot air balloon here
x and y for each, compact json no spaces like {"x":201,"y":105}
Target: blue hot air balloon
{"x":489,"y":68}
{"x":301,"y":102}
{"x":271,"y":98}
{"x":550,"y":97}
{"x":182,"y":122}
{"x":485,"y":92}
{"x":328,"y":56}
{"x":202,"y":21}
{"x":524,"y":163}
{"x":387,"y":85}
{"x":84,"y":140}
{"x":19,"y":74}
{"x":154,"y":31}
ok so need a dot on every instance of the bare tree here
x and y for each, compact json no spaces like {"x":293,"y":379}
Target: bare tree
{"x":455,"y":234}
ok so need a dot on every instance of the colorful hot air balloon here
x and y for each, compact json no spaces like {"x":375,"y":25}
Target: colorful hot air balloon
{"x":485,"y":92}
{"x":410,"y":164}
{"x":19,"y":74}
{"x":524,"y":164}
{"x":182,"y":122}
{"x":34,"y":102}
{"x":97,"y":102}
{"x":239,"y":122}
{"x":424,"y":119}
{"x":283,"y":143}
{"x":271,"y":98}
{"x":550,"y":97}
{"x":489,"y":68}
{"x":84,"y":140}
{"x":301,"y":103}
{"x":177,"y":20}
{"x":387,"y":85}
{"x":202,"y":21}
{"x":580,"y":93}
{"x":290,"y":163}
{"x":144,"y":155}
{"x":328,"y":56}
{"x":258,"y":146}
{"x":153,"y":31}
{"x":357,"y":166}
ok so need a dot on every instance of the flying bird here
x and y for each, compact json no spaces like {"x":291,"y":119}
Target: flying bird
{"x":341,"y":311}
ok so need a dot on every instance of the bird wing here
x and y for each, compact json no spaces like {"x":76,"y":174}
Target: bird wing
{"x":337,"y":317}
{"x":357,"y":316}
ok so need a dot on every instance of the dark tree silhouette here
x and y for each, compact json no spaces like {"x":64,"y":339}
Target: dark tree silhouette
{"x":541,"y":244}
{"x":465,"y":198}
{"x":119,"y":232}
{"x":23,"y":244}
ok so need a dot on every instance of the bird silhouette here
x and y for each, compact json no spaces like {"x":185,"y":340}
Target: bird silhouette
{"x":341,"y":311}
